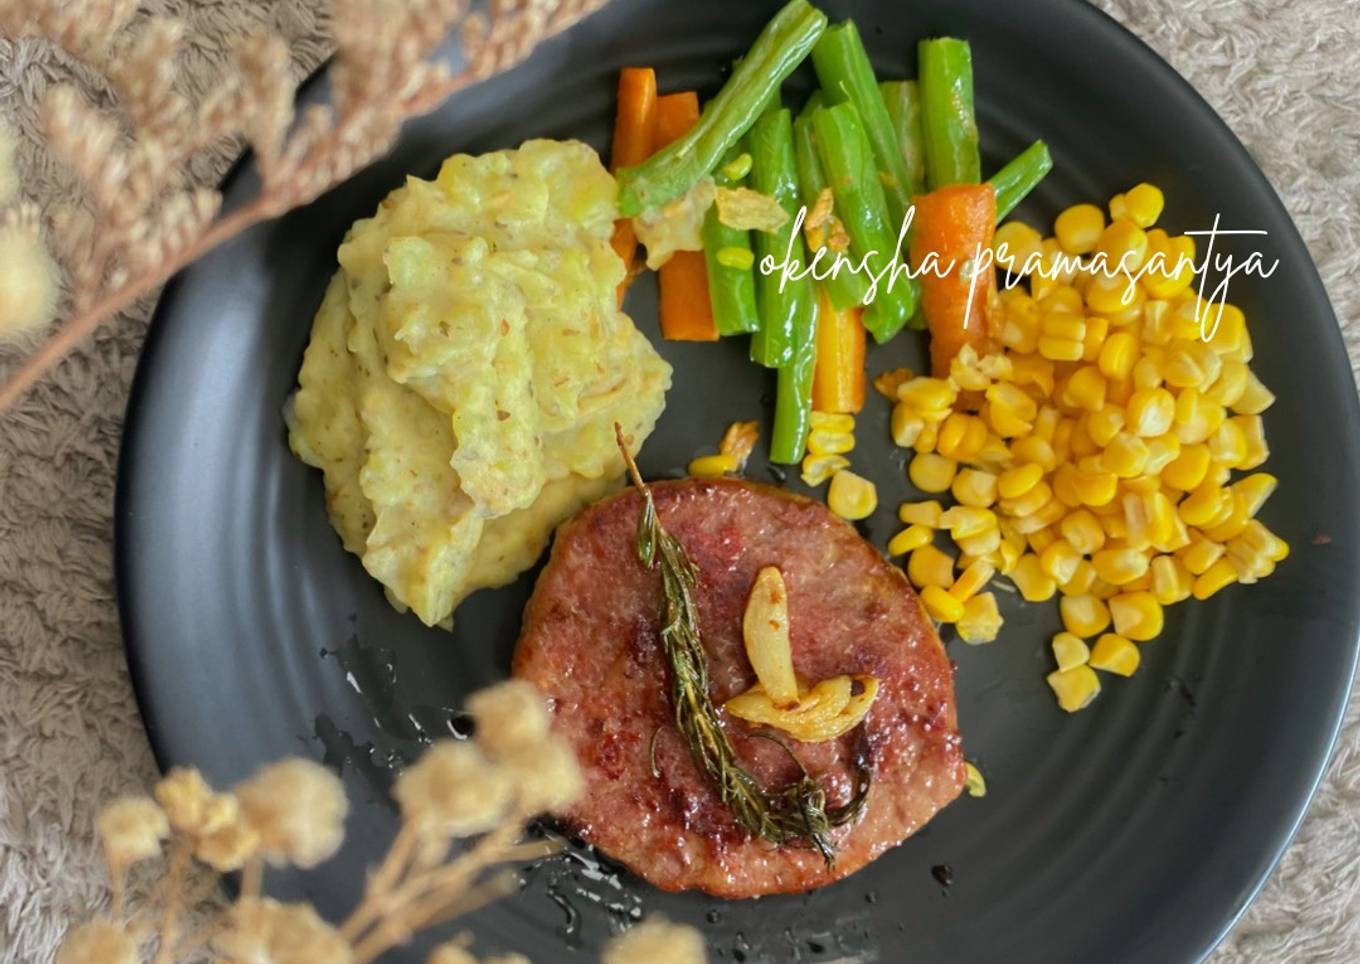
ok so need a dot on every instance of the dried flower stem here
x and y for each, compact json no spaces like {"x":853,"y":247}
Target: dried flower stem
{"x":180,"y":853}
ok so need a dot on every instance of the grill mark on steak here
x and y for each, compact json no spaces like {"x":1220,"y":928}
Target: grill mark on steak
{"x":591,"y":643}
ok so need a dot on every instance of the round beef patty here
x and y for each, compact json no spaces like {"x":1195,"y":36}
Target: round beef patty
{"x":591,"y":643}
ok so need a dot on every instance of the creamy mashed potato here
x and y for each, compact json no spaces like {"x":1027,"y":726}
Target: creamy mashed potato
{"x":466,"y":368}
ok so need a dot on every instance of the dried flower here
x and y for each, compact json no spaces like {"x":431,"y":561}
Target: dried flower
{"x":28,"y":277}
{"x":264,"y":931}
{"x":298,"y":809}
{"x":132,"y":829}
{"x":9,"y":175}
{"x":453,"y":791}
{"x":547,"y":776}
{"x":191,"y":805}
{"x":227,"y":848}
{"x":509,"y":716}
{"x":451,"y":953}
{"x":656,"y":941}
{"x":98,"y":942}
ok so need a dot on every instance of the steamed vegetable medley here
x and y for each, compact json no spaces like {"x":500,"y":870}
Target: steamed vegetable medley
{"x":1086,"y":417}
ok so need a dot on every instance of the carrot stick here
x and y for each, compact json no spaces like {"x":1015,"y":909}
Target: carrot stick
{"x":838,"y":383}
{"x":634,"y":134}
{"x":956,"y":224}
{"x":686,"y":313}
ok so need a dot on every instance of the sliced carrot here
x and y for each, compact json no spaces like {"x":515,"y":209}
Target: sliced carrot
{"x":686,"y":314}
{"x":956,"y":223}
{"x":675,"y":115}
{"x":838,"y":382}
{"x":634,"y":134}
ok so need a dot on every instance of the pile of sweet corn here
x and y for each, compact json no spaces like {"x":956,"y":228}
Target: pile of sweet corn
{"x":1093,"y":456}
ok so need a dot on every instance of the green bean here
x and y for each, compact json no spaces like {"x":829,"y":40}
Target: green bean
{"x":727,"y":252}
{"x":848,"y":162}
{"x":846,"y":76}
{"x":1019,"y":177}
{"x":787,"y":312}
{"x":904,"y":107}
{"x":845,"y":288}
{"x":793,"y":398}
{"x":947,"y":121}
{"x":671,"y":172}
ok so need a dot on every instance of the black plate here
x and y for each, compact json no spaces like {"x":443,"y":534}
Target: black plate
{"x":1135,"y":831}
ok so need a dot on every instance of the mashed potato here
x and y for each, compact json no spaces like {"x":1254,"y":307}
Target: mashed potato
{"x":466,"y":368}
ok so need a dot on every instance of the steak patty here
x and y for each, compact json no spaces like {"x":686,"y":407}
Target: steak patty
{"x":591,"y":643}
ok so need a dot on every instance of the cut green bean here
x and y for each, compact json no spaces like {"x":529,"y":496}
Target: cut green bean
{"x":1014,"y":181}
{"x":846,"y":76}
{"x":848,"y":162}
{"x":846,"y":289}
{"x":669,"y":173}
{"x":948,"y":125}
{"x":793,"y":398}
{"x":730,"y":260}
{"x":903,"y":100}
{"x":785,"y":309}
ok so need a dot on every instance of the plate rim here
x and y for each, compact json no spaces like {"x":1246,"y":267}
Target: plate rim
{"x":140,"y":649}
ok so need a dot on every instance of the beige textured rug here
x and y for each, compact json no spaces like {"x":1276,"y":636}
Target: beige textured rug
{"x":1281,"y":74}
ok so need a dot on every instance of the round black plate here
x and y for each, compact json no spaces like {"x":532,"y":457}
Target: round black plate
{"x":1135,"y":831}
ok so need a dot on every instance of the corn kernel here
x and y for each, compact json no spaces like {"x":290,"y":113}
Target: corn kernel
{"x":831,"y":421}
{"x":1046,"y":515}
{"x":1104,"y":425}
{"x":1227,"y":389}
{"x":920,"y":513}
{"x":1186,"y":471}
{"x":963,"y":521}
{"x":961,"y":436}
{"x":973,"y":487}
{"x":1016,"y":243}
{"x":925,"y":442}
{"x":1118,"y":355}
{"x":1078,"y":228}
{"x":1034,"y":584}
{"x":1062,"y":299}
{"x":1060,"y":349}
{"x":941,"y":605}
{"x":851,"y":496}
{"x":1113,"y":653}
{"x":906,"y":425}
{"x":1059,"y":560}
{"x":1086,"y":389}
{"x":1230,"y":524}
{"x":972,"y":579}
{"x":1137,"y":615}
{"x":1096,"y":488}
{"x":1014,"y":483}
{"x":1097,"y":330}
{"x":1255,"y":489}
{"x":1147,"y":373}
{"x":1171,"y":581}
{"x":912,"y":537}
{"x":1162,"y":451}
{"x":925,"y":394}
{"x":1171,"y":263}
{"x":1117,"y":297}
{"x":1200,"y":507}
{"x":1228,"y":445}
{"x":1143,"y":203}
{"x":1075,"y":688}
{"x":1151,"y":411}
{"x":1254,"y":435}
{"x":1082,"y":531}
{"x":1216,"y":577}
{"x":981,"y":621}
{"x":1069,"y":651}
{"x":928,"y":566}
{"x":1119,"y":566}
{"x":818,"y":469}
{"x":712,"y":466}
{"x":1124,"y":245}
{"x":932,"y":473}
{"x":981,"y":544}
{"x":1255,"y":397}
{"x":1084,"y":615}
{"x":1040,"y":540}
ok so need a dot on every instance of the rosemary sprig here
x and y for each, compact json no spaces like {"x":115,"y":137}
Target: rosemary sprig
{"x":798,"y":811}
